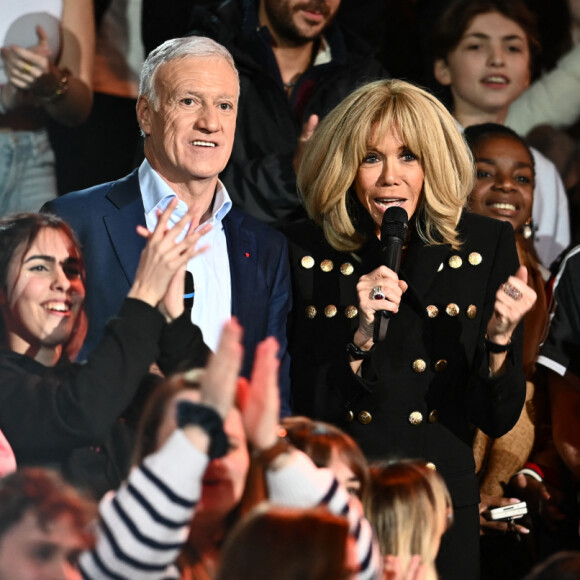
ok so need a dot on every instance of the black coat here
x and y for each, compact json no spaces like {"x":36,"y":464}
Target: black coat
{"x":427,"y":384}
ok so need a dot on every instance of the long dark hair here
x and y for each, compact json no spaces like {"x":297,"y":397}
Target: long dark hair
{"x":18,"y":232}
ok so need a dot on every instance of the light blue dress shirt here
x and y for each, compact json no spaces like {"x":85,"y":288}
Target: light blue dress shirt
{"x":212,"y":305}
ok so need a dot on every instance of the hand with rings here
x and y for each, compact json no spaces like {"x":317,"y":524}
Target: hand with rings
{"x":513,"y":300}
{"x":381,"y":289}
{"x":511,"y":291}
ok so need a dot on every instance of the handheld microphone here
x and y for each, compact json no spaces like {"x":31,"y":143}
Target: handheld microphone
{"x":394,"y":228}
{"x":189,"y":291}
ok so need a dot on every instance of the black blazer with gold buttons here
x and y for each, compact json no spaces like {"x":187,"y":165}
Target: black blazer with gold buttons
{"x":428,"y":383}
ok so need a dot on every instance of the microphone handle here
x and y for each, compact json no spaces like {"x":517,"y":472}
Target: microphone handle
{"x":393,"y":249}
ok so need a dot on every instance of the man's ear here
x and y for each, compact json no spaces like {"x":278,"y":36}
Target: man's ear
{"x":144,"y":114}
{"x":441,"y":72}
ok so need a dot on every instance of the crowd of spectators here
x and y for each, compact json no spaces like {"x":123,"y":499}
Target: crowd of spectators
{"x":211,"y":366}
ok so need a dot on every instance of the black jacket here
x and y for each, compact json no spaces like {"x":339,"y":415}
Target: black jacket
{"x":427,"y":384}
{"x":451,"y":388}
{"x":65,"y":416}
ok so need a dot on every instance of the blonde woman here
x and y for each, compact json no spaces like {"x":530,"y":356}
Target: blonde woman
{"x":451,"y":357}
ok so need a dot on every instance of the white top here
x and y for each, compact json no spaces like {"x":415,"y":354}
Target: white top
{"x":550,"y":211}
{"x":20,"y":19}
{"x":553,"y":99}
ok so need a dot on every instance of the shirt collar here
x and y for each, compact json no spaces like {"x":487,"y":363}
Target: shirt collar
{"x":324,"y":54}
{"x":157,"y":194}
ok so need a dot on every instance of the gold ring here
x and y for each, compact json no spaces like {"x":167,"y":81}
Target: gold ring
{"x":511,"y":291}
{"x":26,"y":67}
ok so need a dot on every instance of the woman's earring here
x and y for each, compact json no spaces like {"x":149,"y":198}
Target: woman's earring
{"x":528,"y":229}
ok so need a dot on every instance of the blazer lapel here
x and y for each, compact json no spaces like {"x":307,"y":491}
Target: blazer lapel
{"x":243,"y":256}
{"x":421,"y":266}
{"x":125,"y":195}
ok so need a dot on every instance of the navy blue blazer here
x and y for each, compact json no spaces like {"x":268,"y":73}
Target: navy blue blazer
{"x":104,"y":218}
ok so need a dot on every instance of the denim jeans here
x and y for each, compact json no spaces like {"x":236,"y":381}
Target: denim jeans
{"x":27,"y":171}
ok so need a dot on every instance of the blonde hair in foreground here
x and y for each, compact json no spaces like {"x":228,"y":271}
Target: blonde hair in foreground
{"x":409,"y":507}
{"x":334,"y":153}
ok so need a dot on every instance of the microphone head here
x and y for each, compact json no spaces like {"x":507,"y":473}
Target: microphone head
{"x":395,"y":223}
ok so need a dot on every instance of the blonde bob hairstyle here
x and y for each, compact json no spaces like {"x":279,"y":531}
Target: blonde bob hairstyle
{"x":334,"y":153}
{"x":409,"y":507}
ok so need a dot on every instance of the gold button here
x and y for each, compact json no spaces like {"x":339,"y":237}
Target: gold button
{"x":475,"y":258}
{"x":307,"y":262}
{"x":434,"y":416}
{"x":419,"y":365}
{"x":471,"y":311}
{"x":311,"y":311}
{"x":452,"y":309}
{"x":441,"y":266}
{"x":350,"y":311}
{"x":364,"y":417}
{"x":347,"y":269}
{"x":432,"y":311}
{"x":330,"y":311}
{"x":349,"y":417}
{"x":326,"y":265}
{"x":455,"y":262}
{"x":431,"y":466}
{"x":416,"y":418}
{"x":440,"y":365}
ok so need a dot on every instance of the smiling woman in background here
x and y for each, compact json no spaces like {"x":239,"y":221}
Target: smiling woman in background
{"x":504,"y":189}
{"x":52,"y":410}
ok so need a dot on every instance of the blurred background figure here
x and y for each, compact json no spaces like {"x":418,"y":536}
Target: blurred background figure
{"x":210,"y":485}
{"x":560,"y":566}
{"x":410,"y":509}
{"x":553,"y":127}
{"x":45,"y":73}
{"x":108,"y":144}
{"x":329,"y":446}
{"x":43,"y":526}
{"x":302,"y":544}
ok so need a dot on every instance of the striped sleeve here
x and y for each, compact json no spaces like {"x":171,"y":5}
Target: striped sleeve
{"x":143,"y":525}
{"x":301,"y":484}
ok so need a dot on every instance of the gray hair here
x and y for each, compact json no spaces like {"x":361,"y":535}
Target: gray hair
{"x":174,"y":49}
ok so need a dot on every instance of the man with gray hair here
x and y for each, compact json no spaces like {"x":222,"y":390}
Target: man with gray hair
{"x":187,"y":110}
